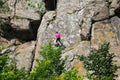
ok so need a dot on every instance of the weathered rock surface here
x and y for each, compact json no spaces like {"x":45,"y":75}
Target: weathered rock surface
{"x":24,"y":55}
{"x":104,"y":31}
{"x":82,"y":49}
{"x":20,"y":13}
{"x":98,"y":18}
{"x":42,"y":29}
{"x":21,"y":9}
{"x":75,"y":17}
{"x":4,"y":42}
{"x":21,"y":16}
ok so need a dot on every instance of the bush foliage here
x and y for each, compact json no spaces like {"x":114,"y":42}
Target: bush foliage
{"x":52,"y":67}
{"x":100,"y":62}
{"x":8,"y":70}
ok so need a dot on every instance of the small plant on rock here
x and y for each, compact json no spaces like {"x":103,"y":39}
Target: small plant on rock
{"x":39,"y":6}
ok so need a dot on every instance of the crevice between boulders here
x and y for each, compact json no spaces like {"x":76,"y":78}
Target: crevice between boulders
{"x":33,"y":53}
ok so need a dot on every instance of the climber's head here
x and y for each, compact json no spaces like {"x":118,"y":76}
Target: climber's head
{"x":56,"y":32}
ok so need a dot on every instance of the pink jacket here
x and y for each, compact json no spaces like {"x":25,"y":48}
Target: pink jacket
{"x":57,"y":35}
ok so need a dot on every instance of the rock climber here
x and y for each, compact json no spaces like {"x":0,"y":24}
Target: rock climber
{"x":58,"y":40}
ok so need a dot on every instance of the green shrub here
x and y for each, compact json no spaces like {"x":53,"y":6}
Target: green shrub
{"x":104,"y":78}
{"x":50,"y":67}
{"x":8,"y":69}
{"x":72,"y":75}
{"x":100,"y":62}
{"x":53,"y":54}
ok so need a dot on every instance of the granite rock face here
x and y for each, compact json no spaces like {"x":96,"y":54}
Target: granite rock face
{"x":22,"y":19}
{"x":83,"y":25}
{"x":20,"y":8}
{"x":24,"y":55}
{"x":74,"y":17}
{"x":20,"y":13}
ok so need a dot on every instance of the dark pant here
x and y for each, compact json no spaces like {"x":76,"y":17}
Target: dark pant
{"x":58,"y":41}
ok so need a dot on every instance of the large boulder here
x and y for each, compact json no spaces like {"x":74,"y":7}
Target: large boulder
{"x":4,"y":42}
{"x":113,"y":5}
{"x":103,"y":31}
{"x":24,"y":55}
{"x":21,"y":9}
{"x":41,"y":33}
{"x":20,"y":17}
{"x":21,"y":14}
{"x":70,"y":54}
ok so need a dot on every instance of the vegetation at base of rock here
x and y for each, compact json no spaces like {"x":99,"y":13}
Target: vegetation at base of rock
{"x":100,"y":63}
{"x":53,"y":54}
{"x":8,"y":70}
{"x":72,"y":75}
{"x":51,"y":66}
